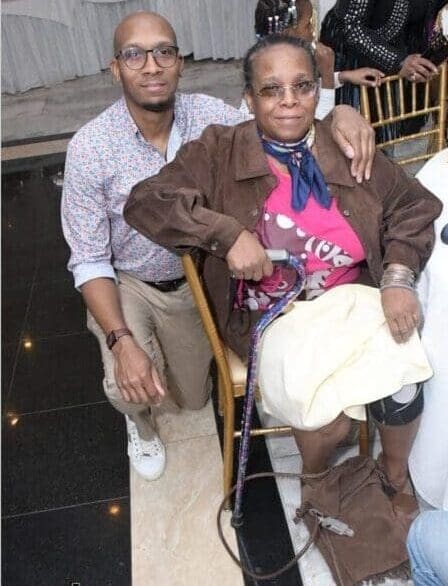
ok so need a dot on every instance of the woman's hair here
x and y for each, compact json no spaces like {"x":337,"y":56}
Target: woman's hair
{"x":272,"y":41}
{"x":268,"y":9}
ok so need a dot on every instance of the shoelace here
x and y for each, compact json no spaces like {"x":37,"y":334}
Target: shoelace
{"x":141,"y":447}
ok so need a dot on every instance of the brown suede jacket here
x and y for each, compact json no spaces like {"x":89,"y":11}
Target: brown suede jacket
{"x":217,"y":186}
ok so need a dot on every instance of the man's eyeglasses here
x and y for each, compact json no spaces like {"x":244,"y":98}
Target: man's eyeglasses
{"x":136,"y":57}
{"x":303,"y":89}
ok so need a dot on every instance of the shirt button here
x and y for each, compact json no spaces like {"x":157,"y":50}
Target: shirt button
{"x":213,"y":245}
{"x":346,"y":213}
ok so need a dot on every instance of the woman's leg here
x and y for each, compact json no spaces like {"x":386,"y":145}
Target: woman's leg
{"x":396,"y":441}
{"x":316,"y":447}
{"x":397,"y":418}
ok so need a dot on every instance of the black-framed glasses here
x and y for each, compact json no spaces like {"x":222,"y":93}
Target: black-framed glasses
{"x":303,"y":89}
{"x":136,"y":57}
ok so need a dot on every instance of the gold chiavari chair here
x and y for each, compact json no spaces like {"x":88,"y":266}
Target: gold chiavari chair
{"x":390,"y":103}
{"x":232,"y":378}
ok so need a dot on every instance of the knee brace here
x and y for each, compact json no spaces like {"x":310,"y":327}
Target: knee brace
{"x":400,"y":408}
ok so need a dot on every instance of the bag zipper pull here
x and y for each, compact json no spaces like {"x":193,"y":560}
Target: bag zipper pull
{"x":336,"y":526}
{"x":332,"y":524}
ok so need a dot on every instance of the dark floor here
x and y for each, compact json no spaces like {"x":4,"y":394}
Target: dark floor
{"x":65,"y":497}
{"x":65,"y":492}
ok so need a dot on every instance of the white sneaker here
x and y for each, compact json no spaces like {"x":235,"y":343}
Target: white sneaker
{"x":148,"y":458}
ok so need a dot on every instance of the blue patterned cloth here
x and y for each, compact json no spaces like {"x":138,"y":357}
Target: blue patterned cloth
{"x":307,"y":178}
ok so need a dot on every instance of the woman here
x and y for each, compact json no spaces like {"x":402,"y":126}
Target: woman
{"x":217,"y":195}
{"x":388,"y":34}
{"x":296,"y":19}
{"x":428,"y":462}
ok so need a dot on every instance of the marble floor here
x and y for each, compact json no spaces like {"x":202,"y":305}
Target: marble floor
{"x":62,"y":109}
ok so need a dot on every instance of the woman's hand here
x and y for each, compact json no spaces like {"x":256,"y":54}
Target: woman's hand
{"x":247,"y":259}
{"x":417,"y":68}
{"x":362,"y":76}
{"x":356,"y":139}
{"x":402,"y":311}
{"x":325,"y":65}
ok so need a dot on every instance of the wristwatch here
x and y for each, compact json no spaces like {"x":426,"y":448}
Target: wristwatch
{"x":115,"y":335}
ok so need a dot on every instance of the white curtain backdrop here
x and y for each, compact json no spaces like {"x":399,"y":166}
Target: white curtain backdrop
{"x":45,"y":42}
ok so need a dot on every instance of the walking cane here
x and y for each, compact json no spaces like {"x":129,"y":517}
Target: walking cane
{"x":282,"y":257}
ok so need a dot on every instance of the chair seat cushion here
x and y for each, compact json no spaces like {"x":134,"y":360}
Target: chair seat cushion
{"x":238,"y":369}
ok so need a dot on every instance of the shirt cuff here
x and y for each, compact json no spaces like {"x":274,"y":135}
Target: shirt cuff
{"x":337,"y":82}
{"x":326,"y":103}
{"x":88,"y":271}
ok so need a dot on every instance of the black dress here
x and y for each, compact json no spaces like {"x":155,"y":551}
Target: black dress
{"x":375,"y":33}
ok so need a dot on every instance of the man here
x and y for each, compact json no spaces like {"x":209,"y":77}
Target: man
{"x":138,"y":304}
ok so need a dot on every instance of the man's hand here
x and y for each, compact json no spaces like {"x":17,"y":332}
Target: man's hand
{"x":417,"y":68}
{"x":247,"y":259}
{"x":356,"y":139}
{"x":362,"y":76}
{"x":402,"y":311}
{"x":135,"y":374}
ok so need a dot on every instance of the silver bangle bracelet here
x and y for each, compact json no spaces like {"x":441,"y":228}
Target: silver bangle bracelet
{"x":397,"y":286}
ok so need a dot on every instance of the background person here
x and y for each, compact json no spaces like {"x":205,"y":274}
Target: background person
{"x":428,"y":462}
{"x":390,"y":35}
{"x":296,"y":20}
{"x":427,"y":541}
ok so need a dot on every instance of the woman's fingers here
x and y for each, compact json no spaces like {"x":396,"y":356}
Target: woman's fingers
{"x":422,"y":71}
{"x":402,"y":312}
{"x":399,"y":329}
{"x":403,"y":326}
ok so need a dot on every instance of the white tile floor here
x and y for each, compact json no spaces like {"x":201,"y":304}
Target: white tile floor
{"x":173,"y":519}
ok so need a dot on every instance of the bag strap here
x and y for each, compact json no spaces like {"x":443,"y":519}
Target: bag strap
{"x":292,"y":561}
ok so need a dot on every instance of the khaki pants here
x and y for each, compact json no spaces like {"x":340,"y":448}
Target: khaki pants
{"x":168,"y":327}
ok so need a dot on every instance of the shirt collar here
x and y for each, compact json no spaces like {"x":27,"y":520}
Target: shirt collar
{"x":126,"y":117}
{"x":251,"y":161}
{"x":175,"y":139}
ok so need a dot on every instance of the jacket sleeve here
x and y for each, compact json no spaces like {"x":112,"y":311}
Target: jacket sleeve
{"x":409,"y":211}
{"x":175,"y":207}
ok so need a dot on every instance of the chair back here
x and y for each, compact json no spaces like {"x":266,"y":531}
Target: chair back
{"x":394,"y":101}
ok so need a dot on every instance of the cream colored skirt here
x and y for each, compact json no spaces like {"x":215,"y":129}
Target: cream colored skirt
{"x":334,"y":354}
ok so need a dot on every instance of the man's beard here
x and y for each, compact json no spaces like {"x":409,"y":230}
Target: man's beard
{"x":159,"y":106}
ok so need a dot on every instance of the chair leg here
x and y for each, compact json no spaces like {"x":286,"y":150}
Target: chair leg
{"x":364,"y":438}
{"x":229,"y":443}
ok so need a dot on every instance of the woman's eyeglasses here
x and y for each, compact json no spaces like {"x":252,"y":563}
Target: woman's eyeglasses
{"x":136,"y":57}
{"x":303,"y":89}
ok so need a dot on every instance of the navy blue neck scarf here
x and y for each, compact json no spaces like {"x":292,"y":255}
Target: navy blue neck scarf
{"x":305,"y":173}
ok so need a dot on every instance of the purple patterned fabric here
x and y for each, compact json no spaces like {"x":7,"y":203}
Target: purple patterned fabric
{"x":251,"y":381}
{"x":105,"y":159}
